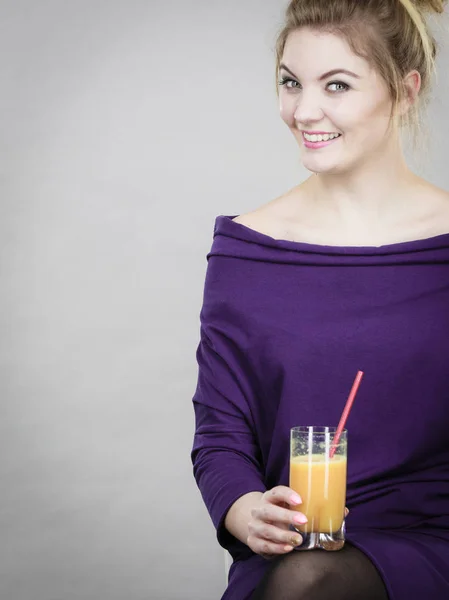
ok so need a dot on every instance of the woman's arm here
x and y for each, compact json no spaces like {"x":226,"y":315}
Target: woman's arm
{"x":225,"y":454}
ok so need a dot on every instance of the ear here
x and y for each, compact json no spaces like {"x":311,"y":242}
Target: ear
{"x":412,"y":85}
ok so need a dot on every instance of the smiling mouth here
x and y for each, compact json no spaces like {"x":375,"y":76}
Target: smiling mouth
{"x":315,"y":142}
{"x":320,"y":137}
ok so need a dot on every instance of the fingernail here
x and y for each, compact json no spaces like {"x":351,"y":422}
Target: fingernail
{"x":295,"y":499}
{"x":300,"y":519}
{"x":288,"y":548}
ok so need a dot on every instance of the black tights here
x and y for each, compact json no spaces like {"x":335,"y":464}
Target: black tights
{"x":347,"y":574}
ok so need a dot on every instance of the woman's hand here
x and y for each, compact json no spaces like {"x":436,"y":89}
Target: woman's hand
{"x":269,"y":527}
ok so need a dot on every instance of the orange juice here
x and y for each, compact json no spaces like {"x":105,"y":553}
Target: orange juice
{"x":322,"y":487}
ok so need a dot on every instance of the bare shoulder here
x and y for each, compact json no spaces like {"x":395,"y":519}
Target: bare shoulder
{"x":256,"y":219}
{"x":437,"y":200}
{"x":437,"y":193}
{"x":444,"y":197}
{"x":270,"y":218}
{"x":432,"y":216}
{"x":425,"y":188}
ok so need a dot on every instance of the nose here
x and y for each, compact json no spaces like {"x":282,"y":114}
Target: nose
{"x":308,"y":109}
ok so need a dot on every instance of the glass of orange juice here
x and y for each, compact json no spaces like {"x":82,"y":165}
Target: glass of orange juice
{"x":321,"y":482}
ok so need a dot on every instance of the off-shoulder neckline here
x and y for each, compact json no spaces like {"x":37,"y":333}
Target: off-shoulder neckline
{"x":224,"y":224}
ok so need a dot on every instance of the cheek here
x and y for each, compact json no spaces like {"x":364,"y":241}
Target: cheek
{"x":369,"y":118}
{"x":373,"y":126}
{"x":287,"y":111}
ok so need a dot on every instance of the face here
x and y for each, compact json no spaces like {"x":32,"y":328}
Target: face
{"x":326,"y":88}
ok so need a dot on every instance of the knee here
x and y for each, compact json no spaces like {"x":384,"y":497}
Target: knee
{"x":316,"y":579}
{"x":297,"y":577}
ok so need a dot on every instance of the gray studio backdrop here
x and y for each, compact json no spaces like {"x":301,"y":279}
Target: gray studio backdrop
{"x":126,"y":127}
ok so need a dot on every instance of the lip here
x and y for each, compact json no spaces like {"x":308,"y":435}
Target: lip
{"x":318,"y":145}
{"x":318,"y":132}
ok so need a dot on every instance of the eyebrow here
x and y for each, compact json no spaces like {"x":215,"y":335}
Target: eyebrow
{"x":326,"y":75}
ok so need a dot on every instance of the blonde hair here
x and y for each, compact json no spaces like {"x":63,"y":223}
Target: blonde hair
{"x":392,"y":35}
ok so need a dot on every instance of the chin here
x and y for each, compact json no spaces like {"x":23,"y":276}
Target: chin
{"x":319,"y":167}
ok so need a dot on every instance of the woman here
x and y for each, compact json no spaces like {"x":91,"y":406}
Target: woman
{"x":347,"y":271}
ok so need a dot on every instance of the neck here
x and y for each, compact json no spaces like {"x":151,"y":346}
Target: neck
{"x":373,"y":194}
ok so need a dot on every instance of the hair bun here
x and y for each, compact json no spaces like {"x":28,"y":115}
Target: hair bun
{"x":435,"y":6}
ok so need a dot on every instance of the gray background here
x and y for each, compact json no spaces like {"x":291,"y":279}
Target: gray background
{"x":126,"y":127}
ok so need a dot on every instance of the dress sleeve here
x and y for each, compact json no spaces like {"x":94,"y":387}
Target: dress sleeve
{"x":226,"y":456}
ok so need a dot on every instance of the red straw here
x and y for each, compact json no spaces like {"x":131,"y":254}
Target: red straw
{"x":345,"y":414}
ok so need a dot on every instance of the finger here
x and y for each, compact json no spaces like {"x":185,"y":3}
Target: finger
{"x":268,"y":549}
{"x":281,"y":494}
{"x":346,"y":511}
{"x":271,"y":533}
{"x":270,"y":513}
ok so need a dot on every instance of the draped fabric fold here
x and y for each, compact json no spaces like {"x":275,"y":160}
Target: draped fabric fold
{"x":284,"y":328}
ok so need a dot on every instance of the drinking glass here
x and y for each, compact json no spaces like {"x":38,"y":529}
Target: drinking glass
{"x":320,"y":481}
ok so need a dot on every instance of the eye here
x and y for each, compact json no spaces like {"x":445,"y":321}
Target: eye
{"x":343,"y":86}
{"x":292,"y":84}
{"x":286,"y":80}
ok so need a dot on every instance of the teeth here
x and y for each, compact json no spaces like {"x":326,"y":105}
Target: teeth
{"x":321,"y":138}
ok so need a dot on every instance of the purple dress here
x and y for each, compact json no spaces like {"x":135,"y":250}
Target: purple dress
{"x":285,"y":326}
